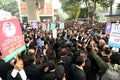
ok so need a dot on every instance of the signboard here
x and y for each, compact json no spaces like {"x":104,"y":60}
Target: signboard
{"x":108,"y":28}
{"x":11,"y":39}
{"x":48,"y":28}
{"x":54,"y":32}
{"x":34,"y":24}
{"x":53,"y":25}
{"x":43,"y":26}
{"x":61,"y":26}
{"x":114,"y":39}
{"x":40,"y":43}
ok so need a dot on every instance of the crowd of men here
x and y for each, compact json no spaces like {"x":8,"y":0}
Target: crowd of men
{"x":79,"y":52}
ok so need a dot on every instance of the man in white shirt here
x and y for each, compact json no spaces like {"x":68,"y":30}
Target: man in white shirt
{"x":18,"y":72}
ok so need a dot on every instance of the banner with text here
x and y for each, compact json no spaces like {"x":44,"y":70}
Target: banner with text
{"x":53,"y":26}
{"x":43,"y":26}
{"x":54,"y":32}
{"x":48,"y":28}
{"x":108,"y":28}
{"x":11,"y":39}
{"x":114,"y":39}
{"x":61,"y":25}
{"x":34,"y":25}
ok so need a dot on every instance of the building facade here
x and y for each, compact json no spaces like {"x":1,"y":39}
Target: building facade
{"x":45,"y":12}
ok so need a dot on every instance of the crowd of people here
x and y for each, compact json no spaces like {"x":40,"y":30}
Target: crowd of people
{"x":79,"y":52}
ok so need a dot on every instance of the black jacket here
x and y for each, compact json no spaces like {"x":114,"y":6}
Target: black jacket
{"x":77,"y":73}
{"x":34,"y":72}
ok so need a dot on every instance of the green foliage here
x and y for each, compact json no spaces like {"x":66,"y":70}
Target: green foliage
{"x":105,"y":3}
{"x":3,"y":3}
{"x":10,"y":6}
{"x":91,"y":7}
{"x":71,"y":7}
{"x":23,"y":0}
{"x":74,"y":10}
{"x":84,"y":13}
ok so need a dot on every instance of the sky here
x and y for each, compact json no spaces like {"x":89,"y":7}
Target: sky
{"x":56,"y":4}
{"x":117,"y":1}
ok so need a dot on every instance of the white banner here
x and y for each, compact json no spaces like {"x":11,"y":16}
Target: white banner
{"x":61,"y":26}
{"x":114,"y":39}
{"x":54,"y":33}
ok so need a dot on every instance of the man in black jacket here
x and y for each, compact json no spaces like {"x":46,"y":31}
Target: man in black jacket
{"x":33,"y":71}
{"x":77,"y":69}
{"x":4,"y":68}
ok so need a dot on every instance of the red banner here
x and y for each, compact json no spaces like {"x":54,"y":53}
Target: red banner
{"x":11,"y":37}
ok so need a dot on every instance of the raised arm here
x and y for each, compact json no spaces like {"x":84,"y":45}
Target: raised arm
{"x":102,"y":65}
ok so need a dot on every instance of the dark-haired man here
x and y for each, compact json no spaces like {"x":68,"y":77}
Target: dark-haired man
{"x":112,"y":60}
{"x":77,"y":71}
{"x":4,"y":67}
{"x":17,"y":73}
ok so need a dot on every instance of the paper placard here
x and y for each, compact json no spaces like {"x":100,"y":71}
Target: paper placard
{"x":11,"y":39}
{"x":114,"y":39}
{"x":108,"y":28}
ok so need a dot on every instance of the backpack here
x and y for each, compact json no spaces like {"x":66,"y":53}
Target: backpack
{"x":112,"y":73}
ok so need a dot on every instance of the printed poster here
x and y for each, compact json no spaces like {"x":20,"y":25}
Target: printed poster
{"x":43,"y":26}
{"x":114,"y":39}
{"x":11,"y":38}
{"x":54,"y":32}
{"x":48,"y":28}
{"x":108,"y":28}
{"x":61,"y":26}
{"x":34,"y":24}
{"x":53,"y":25}
{"x":40,"y":43}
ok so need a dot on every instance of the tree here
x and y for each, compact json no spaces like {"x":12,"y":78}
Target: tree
{"x":83,"y":12}
{"x":103,"y":3}
{"x":71,"y":7}
{"x":106,"y":3}
{"x":91,"y":9}
{"x":10,"y":6}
